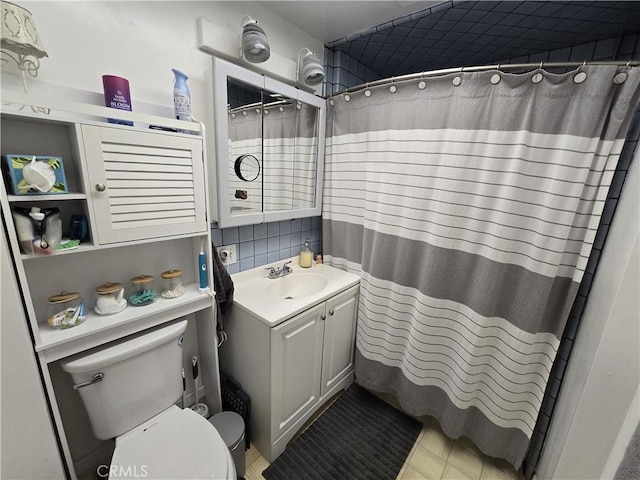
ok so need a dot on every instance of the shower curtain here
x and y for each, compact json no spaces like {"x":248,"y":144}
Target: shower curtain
{"x":468,"y":203}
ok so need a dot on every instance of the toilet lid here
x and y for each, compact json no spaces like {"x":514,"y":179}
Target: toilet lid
{"x":180,"y":444}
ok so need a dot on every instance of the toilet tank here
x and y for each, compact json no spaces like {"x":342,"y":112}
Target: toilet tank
{"x":142,"y":378}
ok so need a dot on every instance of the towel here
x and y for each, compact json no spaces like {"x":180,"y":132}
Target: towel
{"x":222,"y":284}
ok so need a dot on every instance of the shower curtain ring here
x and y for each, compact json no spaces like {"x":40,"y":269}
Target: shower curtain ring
{"x":541,"y":65}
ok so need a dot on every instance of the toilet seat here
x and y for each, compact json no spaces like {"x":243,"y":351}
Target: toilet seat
{"x":174,"y":444}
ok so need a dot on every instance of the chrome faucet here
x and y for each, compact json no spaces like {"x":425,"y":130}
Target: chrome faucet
{"x":280,"y":272}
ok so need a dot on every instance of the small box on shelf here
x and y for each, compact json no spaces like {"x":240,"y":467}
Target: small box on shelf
{"x":34,"y":174}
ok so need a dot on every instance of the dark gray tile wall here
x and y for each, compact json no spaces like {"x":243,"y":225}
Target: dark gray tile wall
{"x":594,"y":51}
{"x":344,"y":72}
{"x":264,"y":243}
{"x":465,"y":33}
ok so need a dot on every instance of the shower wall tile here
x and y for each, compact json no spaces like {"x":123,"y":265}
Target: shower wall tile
{"x":285,"y":227}
{"x":260,"y":247}
{"x":273,"y":244}
{"x":260,"y":231}
{"x":273,"y":229}
{"x":216,"y":237}
{"x":343,"y":72}
{"x":605,"y":49}
{"x":260,"y":260}
{"x":264,"y":243}
{"x":245,"y":233}
{"x":592,"y":51}
{"x":246,"y":263}
{"x":246,"y":250}
{"x":230,"y":235}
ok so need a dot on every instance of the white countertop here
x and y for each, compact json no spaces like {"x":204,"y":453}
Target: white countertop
{"x":250,"y":290}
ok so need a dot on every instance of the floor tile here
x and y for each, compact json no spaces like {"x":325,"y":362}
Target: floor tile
{"x":426,"y":463}
{"x":410,"y":473}
{"x":452,"y":473}
{"x":251,"y":455}
{"x":254,"y":471}
{"x":435,"y":441}
{"x":465,"y":460}
{"x":402,"y":472}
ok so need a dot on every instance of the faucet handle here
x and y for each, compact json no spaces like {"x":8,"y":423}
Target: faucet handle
{"x":287,"y":267}
{"x":272,"y":272}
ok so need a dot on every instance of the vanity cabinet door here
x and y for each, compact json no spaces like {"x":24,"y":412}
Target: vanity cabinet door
{"x":339,"y":338}
{"x":296,"y":360}
{"x":143,"y":184}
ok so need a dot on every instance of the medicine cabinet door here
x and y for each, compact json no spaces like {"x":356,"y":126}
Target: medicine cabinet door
{"x":244,"y":165}
{"x":269,"y":148}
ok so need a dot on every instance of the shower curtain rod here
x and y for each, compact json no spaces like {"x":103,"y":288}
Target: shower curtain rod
{"x":261,"y":105}
{"x":481,"y":68}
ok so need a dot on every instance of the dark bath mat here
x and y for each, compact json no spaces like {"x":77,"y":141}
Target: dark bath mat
{"x":358,"y":437}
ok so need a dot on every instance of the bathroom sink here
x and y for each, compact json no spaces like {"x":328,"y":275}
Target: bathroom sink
{"x":275,"y":300}
{"x":296,"y":285}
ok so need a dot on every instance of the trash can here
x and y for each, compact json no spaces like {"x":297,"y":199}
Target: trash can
{"x":230,"y":426}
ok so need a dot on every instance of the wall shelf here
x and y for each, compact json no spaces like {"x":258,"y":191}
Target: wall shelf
{"x":99,"y":329}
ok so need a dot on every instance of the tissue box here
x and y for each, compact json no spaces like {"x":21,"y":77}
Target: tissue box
{"x":14,"y":165}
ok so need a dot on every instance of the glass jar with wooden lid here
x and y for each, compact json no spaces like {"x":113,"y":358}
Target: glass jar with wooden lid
{"x":66,"y":310}
{"x":109,"y":299}
{"x":143,"y":290}
{"x":172,"y":284}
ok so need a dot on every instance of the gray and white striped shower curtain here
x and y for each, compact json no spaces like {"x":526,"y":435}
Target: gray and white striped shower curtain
{"x":469,"y":204}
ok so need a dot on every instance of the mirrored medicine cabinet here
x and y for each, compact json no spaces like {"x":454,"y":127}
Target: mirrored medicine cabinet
{"x":266,"y":151}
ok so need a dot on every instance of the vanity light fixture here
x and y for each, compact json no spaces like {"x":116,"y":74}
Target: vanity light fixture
{"x":20,"y":40}
{"x":309,"y":68}
{"x":254,"y":46}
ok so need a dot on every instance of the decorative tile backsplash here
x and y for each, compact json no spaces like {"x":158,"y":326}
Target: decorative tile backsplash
{"x":264,"y":243}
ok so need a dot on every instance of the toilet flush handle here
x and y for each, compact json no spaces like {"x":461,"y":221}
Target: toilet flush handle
{"x":98,"y":377}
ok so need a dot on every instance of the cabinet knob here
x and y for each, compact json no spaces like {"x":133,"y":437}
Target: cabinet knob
{"x":331,"y":312}
{"x":323,"y":316}
{"x":101,"y":187}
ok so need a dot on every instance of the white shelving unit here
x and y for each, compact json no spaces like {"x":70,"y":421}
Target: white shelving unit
{"x":144,"y":194}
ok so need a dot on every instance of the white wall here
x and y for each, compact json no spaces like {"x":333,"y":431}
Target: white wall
{"x":588,"y":431}
{"x":141,"y":41}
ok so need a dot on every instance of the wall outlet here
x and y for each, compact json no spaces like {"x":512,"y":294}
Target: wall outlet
{"x":227,"y":254}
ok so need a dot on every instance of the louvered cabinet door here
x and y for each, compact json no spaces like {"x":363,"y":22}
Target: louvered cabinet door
{"x":144,"y":184}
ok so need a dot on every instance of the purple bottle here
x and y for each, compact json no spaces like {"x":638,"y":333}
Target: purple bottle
{"x":116,"y":95}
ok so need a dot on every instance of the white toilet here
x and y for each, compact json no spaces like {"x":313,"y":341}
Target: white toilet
{"x":129,"y":390}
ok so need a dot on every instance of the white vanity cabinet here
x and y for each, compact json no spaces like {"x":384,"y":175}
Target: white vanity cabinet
{"x":144,"y":194}
{"x":291,"y":369}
